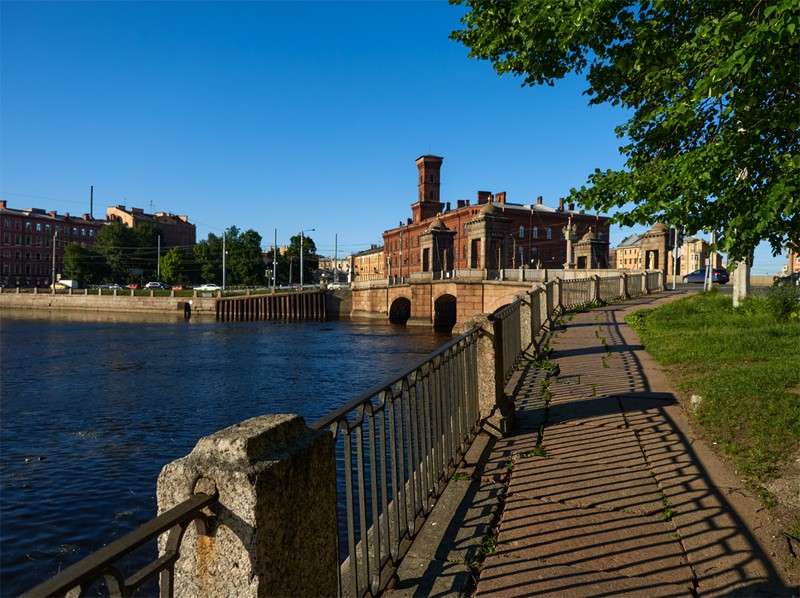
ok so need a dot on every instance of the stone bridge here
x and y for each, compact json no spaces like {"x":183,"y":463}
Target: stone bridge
{"x":435,"y":303}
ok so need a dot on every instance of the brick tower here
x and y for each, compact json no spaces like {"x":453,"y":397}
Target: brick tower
{"x":428,"y":204}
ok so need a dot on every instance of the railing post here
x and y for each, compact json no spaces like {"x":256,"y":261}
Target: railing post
{"x":596,"y":295}
{"x":275,"y":531}
{"x":526,"y":319}
{"x":626,"y":294}
{"x":496,"y":409}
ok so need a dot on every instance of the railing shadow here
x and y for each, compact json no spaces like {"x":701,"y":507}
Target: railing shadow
{"x":620,"y":490}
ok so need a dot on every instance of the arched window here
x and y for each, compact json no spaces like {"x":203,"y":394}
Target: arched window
{"x":535,"y":232}
{"x":600,"y":235}
{"x":549,"y":232}
{"x":521,"y":232}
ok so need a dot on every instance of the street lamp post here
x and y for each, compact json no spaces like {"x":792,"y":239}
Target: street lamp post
{"x":302,"y":251}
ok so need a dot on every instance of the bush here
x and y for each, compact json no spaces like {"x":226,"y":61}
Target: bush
{"x":784,"y":301}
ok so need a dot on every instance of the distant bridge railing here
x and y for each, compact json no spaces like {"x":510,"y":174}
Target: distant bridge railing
{"x":394,"y":448}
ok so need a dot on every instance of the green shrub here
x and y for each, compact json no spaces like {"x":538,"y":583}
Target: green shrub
{"x":784,"y":301}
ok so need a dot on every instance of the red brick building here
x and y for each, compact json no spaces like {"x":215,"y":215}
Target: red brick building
{"x":33,"y":243}
{"x":491,"y":234}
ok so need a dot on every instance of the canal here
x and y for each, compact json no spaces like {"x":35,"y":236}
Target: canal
{"x":92,"y":409}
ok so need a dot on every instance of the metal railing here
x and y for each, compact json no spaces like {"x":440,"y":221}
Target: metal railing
{"x":396,"y":445}
{"x":102,"y":565}
{"x":508,"y":319}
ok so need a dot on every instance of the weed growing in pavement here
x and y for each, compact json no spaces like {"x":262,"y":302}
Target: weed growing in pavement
{"x":460,"y":477}
{"x":605,"y":364}
{"x":538,"y":451}
{"x":668,"y":512}
{"x":594,"y":390}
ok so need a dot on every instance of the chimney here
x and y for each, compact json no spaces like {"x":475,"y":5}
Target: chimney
{"x":447,"y":207}
{"x":460,"y":203}
{"x":500,"y":197}
{"x":539,"y":200}
{"x":561,"y":204}
{"x":409,"y":221}
{"x":2,"y":203}
{"x":51,"y":214}
{"x":484,"y":197}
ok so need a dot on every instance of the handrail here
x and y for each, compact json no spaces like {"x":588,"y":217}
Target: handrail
{"x":397,"y":444}
{"x":101,"y":564}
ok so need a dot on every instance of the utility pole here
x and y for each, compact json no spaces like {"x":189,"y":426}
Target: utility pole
{"x":224,"y":254}
{"x":158,"y":260}
{"x":335,"y":250}
{"x":302,"y":251}
{"x":53,"y":276}
{"x":274,"y":259}
{"x":674,"y":259}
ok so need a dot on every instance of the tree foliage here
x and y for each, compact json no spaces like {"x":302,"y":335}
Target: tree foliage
{"x":712,"y":89}
{"x":172,"y":267}
{"x":244,"y":264}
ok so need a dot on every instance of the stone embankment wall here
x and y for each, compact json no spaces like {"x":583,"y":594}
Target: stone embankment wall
{"x":123,"y":302}
{"x":338,"y":303}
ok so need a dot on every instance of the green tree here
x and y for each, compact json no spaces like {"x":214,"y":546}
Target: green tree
{"x":712,"y":90}
{"x":208,"y":259}
{"x":247,"y":265}
{"x":292,"y":260}
{"x":172,"y":265}
{"x":84,"y":264}
{"x":244,"y":263}
{"x":115,"y":242}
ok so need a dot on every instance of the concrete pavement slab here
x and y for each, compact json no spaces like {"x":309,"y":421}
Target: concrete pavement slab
{"x":503,"y":576}
{"x":610,"y":541}
{"x":587,"y":485}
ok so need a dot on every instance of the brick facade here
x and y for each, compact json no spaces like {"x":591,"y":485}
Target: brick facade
{"x":533,"y":235}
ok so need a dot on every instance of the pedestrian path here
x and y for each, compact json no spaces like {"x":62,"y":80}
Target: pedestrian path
{"x":601,"y":489}
{"x":606,"y":495}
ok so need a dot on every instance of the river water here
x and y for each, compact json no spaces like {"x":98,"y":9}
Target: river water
{"x":91,"y":410}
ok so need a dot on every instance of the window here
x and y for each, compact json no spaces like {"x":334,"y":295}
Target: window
{"x":83,"y":232}
{"x":47,"y":228}
{"x":38,"y":227}
{"x":6,"y":239}
{"x":18,"y":239}
{"x":7,"y":223}
{"x":27,"y":226}
{"x":535,"y":232}
{"x":28,"y":240}
{"x":549,"y":232}
{"x":91,"y":232}
{"x":75,"y":231}
{"x":521,"y":232}
{"x":600,"y":235}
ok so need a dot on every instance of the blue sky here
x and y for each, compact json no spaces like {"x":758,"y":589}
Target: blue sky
{"x":278,"y":115}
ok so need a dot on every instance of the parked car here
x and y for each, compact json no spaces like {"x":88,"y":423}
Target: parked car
{"x":793,"y":278}
{"x":208,"y":287}
{"x":178,"y":287}
{"x":133,"y":286}
{"x":718,"y":275}
{"x":156,"y":286}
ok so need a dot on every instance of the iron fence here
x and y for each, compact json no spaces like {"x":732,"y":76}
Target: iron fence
{"x":102,"y":566}
{"x":396,"y":445}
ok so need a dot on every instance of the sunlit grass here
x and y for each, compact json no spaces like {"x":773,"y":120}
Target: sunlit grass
{"x":744,"y":363}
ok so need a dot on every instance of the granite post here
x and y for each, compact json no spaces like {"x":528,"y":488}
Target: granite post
{"x":274,"y":530}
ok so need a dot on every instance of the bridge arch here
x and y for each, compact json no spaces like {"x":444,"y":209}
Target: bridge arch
{"x":445,"y":311}
{"x":400,"y":310}
{"x":495,"y":303}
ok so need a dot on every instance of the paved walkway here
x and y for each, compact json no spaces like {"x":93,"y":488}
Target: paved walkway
{"x":600,"y":490}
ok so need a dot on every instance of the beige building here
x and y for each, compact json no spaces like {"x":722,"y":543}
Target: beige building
{"x":368,"y":264}
{"x":654,"y":250}
{"x":176,"y":231}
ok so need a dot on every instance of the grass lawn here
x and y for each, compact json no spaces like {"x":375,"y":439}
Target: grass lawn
{"x":745,"y":364}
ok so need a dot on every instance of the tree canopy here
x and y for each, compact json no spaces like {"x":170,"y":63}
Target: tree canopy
{"x":712,"y":89}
